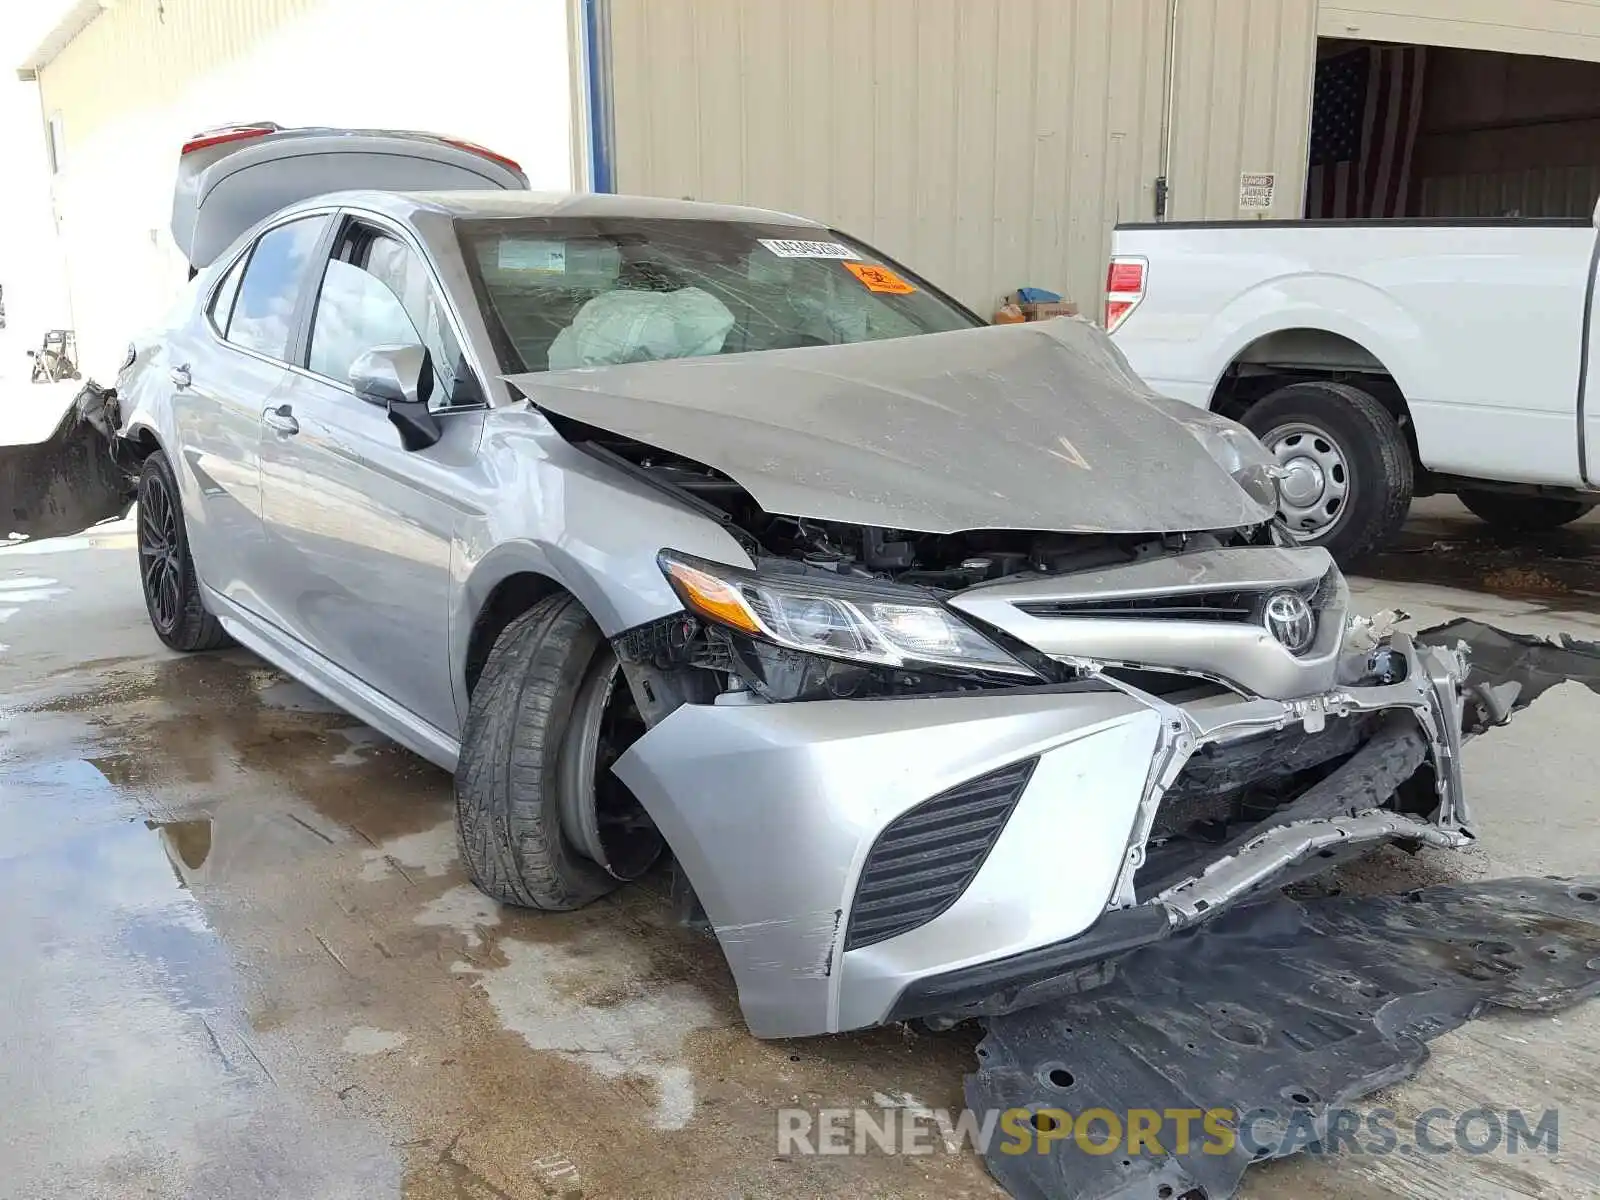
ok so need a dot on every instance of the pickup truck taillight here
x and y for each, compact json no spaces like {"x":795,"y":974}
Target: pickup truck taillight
{"x":1124,"y":288}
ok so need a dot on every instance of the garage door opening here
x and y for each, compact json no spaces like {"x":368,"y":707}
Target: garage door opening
{"x":1434,"y":131}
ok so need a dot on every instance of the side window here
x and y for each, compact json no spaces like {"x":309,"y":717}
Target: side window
{"x":274,"y":279}
{"x":377,"y":292}
{"x":222,"y":299}
{"x":355,"y":312}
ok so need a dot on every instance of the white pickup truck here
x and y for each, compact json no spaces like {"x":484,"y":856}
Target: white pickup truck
{"x":1380,"y":359}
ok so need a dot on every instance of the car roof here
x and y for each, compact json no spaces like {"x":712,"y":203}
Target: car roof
{"x":511,"y":204}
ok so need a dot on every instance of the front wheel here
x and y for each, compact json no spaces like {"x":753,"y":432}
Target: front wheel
{"x":1524,"y":514}
{"x":1348,"y":474}
{"x":540,"y":819}
{"x":166,"y":570}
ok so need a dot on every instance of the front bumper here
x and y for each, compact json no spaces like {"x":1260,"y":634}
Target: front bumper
{"x":774,"y":812}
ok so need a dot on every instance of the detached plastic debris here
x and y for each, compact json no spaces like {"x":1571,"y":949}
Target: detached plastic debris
{"x":1279,"y":1012}
{"x":69,"y":481}
{"x":1537,"y":664}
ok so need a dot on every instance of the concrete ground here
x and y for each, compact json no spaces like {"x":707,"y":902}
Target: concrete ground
{"x":241,"y":959}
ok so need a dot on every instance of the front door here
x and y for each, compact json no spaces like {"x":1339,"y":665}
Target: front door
{"x":359,"y":530}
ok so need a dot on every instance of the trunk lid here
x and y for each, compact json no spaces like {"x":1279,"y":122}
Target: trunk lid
{"x":230,"y":178}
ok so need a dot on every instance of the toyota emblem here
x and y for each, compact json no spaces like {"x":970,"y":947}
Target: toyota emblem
{"x":1290,"y":619}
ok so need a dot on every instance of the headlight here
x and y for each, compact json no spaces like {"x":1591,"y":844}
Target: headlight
{"x":1240,"y":453}
{"x":856,"y":621}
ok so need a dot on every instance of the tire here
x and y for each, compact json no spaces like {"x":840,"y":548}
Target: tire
{"x":1348,"y":460}
{"x":516,"y":771}
{"x":1524,"y":514}
{"x":166,"y":570}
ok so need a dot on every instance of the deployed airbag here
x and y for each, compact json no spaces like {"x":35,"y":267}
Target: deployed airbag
{"x":632,"y":326}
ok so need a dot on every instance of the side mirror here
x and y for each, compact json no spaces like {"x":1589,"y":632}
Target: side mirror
{"x":400,"y":379}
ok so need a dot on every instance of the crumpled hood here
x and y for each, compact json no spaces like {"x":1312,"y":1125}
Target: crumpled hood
{"x":1037,"y":426}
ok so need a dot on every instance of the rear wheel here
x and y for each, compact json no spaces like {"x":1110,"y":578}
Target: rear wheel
{"x":166,"y":571}
{"x":1524,"y":514}
{"x":1349,"y":478}
{"x":541,"y":820}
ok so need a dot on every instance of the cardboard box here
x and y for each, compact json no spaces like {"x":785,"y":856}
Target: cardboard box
{"x":1043,"y":312}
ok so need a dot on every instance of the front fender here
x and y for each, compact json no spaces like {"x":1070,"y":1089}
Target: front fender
{"x":70,"y":481}
{"x":596,"y":534}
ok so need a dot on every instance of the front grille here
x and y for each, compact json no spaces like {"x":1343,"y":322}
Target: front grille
{"x":926,"y":857}
{"x":1192,"y":606}
{"x":1237,"y":605}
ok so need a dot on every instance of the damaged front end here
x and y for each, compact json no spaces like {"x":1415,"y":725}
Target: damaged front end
{"x":74,"y":479}
{"x":900,"y":800}
{"x":1018,"y":671}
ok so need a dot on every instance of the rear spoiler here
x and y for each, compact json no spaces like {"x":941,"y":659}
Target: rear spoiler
{"x":229,"y":178}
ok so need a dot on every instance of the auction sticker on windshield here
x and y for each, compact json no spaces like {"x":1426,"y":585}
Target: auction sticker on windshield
{"x":790,"y":248}
{"x":879,"y":279}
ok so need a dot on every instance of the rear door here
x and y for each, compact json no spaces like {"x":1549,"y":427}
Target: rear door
{"x":224,"y":370}
{"x":359,"y":529}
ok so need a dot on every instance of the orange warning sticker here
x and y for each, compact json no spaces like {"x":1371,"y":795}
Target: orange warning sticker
{"x":879,"y":279}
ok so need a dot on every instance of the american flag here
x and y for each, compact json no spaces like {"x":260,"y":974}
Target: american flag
{"x":1363,"y":127}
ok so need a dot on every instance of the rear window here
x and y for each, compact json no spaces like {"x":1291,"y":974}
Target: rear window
{"x":567,"y":292}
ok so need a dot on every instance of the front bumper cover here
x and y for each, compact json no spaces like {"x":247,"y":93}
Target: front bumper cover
{"x":773,"y":810}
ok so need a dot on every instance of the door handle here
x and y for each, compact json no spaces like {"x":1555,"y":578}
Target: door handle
{"x":180,"y":376}
{"x":281,"y":420}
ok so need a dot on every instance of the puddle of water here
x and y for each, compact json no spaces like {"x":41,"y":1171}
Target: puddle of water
{"x":361,"y":739}
{"x":187,"y":843}
{"x":464,"y":909}
{"x":291,"y":696}
{"x":114,"y":975}
{"x":590,"y":1002}
{"x":430,"y":852}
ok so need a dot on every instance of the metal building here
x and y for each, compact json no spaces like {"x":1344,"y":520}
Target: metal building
{"x":123,"y":83}
{"x":989,"y":143}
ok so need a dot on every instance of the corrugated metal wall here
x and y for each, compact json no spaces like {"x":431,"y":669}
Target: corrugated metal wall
{"x":989,"y":143}
{"x":1556,"y":28}
{"x":1244,"y":72}
{"x":140,"y":53}
{"x":145,"y":74}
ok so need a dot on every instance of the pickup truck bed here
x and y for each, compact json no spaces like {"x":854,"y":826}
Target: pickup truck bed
{"x":1378,"y":359}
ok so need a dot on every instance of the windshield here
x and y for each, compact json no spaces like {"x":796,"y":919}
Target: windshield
{"x":561,"y":292}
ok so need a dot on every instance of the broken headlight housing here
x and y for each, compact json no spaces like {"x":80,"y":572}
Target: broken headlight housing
{"x":851,"y":620}
{"x":1240,"y":453}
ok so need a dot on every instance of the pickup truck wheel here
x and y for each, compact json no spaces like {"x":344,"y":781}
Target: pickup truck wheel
{"x":1524,"y":514}
{"x":1350,"y":477}
{"x":166,"y":570}
{"x":540,"y":820}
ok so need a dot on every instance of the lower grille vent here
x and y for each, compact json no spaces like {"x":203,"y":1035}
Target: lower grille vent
{"x":926,"y":857}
